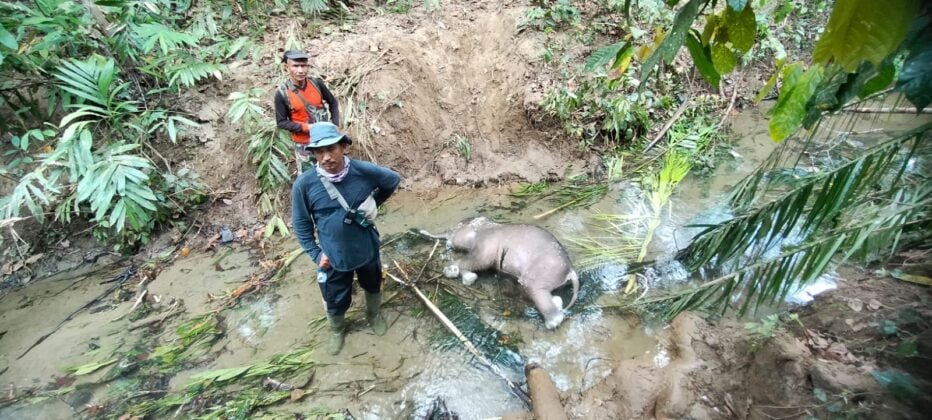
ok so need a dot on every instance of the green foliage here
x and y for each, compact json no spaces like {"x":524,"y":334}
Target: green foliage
{"x":674,"y":39}
{"x":104,"y":75}
{"x":560,"y":14}
{"x":464,"y":146}
{"x":857,"y":210}
{"x":194,"y":338}
{"x":726,"y":37}
{"x":594,"y":114}
{"x":790,"y":111}
{"x":702,"y":59}
{"x":269,"y":148}
{"x":862,"y":30}
{"x":915,"y":80}
{"x":314,"y":7}
{"x":530,"y":189}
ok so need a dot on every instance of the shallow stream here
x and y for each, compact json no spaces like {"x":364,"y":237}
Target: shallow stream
{"x":402,"y":373}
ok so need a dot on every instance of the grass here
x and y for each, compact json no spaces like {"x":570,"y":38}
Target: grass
{"x":530,"y":189}
{"x":576,"y":194}
{"x":195,"y":337}
{"x":210,"y":386}
{"x":463,"y":146}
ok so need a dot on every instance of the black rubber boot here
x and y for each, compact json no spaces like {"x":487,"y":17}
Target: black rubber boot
{"x":373,"y":314}
{"x":337,"y":334}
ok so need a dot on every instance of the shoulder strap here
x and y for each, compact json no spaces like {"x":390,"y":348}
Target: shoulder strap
{"x":301,"y":97}
{"x":332,"y":191}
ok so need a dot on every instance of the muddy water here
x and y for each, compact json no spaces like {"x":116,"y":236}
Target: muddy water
{"x":400,"y":374}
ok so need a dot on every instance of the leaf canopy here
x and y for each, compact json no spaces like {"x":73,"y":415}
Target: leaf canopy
{"x":861,"y":30}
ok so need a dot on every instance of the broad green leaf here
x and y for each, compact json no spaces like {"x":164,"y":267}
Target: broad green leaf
{"x":860,"y":30}
{"x":915,"y":79}
{"x":884,"y":78}
{"x":788,"y":114}
{"x":673,"y":40}
{"x":825,"y":98}
{"x":702,"y":61}
{"x":603,"y":55}
{"x":742,"y":27}
{"x":712,"y":23}
{"x":236,"y":46}
{"x":622,"y":60}
{"x":118,"y":215}
{"x":737,"y":5}
{"x":7,"y":39}
{"x":723,"y":59}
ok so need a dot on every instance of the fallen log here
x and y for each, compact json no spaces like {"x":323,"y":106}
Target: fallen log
{"x":545,"y":398}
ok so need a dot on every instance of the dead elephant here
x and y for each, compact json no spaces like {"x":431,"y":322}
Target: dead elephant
{"x":527,"y":252}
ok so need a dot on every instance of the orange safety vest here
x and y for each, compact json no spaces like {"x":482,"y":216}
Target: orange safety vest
{"x":298,"y":111}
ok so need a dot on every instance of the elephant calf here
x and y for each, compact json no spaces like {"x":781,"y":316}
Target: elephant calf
{"x":527,"y":252}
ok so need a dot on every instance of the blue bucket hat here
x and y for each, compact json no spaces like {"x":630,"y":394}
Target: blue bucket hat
{"x":326,"y":133}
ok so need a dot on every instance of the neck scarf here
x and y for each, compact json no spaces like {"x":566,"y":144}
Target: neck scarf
{"x":337,"y":177}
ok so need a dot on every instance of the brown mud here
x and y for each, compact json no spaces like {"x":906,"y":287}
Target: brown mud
{"x":713,"y":370}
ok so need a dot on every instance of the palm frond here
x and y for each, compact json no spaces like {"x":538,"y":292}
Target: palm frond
{"x":188,"y":73}
{"x":816,"y":215}
{"x":801,"y":211}
{"x":314,"y":7}
{"x":774,"y":278}
{"x":119,"y":175}
{"x":166,"y":39}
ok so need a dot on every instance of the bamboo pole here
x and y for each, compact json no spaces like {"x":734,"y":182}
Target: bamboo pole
{"x":515,"y":389}
{"x":666,"y":127}
{"x":888,"y":110}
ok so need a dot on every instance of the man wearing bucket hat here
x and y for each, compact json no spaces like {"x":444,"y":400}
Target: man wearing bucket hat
{"x":333,"y":210}
{"x":302,"y":101}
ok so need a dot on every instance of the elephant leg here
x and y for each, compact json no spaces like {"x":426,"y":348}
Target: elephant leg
{"x":465,"y":268}
{"x":547,"y":306}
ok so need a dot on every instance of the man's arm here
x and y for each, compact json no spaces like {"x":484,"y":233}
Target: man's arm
{"x":386,"y":181}
{"x":331,"y":102}
{"x":301,"y":221}
{"x":283,"y":117}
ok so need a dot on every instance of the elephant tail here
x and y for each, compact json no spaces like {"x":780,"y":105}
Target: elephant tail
{"x":573,"y":278}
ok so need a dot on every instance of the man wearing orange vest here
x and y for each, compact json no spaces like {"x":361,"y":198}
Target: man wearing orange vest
{"x":302,"y":101}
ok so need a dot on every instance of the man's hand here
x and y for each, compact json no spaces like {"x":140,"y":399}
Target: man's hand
{"x":324,"y":262}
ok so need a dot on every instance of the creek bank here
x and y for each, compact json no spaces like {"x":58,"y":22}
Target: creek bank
{"x":829,"y":363}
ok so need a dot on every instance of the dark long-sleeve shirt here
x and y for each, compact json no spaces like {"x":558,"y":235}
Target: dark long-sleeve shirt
{"x":348,"y":246}
{"x":283,"y":117}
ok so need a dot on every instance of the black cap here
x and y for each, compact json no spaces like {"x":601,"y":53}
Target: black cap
{"x":294,"y":55}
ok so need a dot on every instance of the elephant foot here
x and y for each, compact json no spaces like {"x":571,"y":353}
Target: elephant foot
{"x":469,"y":278}
{"x":451,"y":271}
{"x":554,"y":321}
